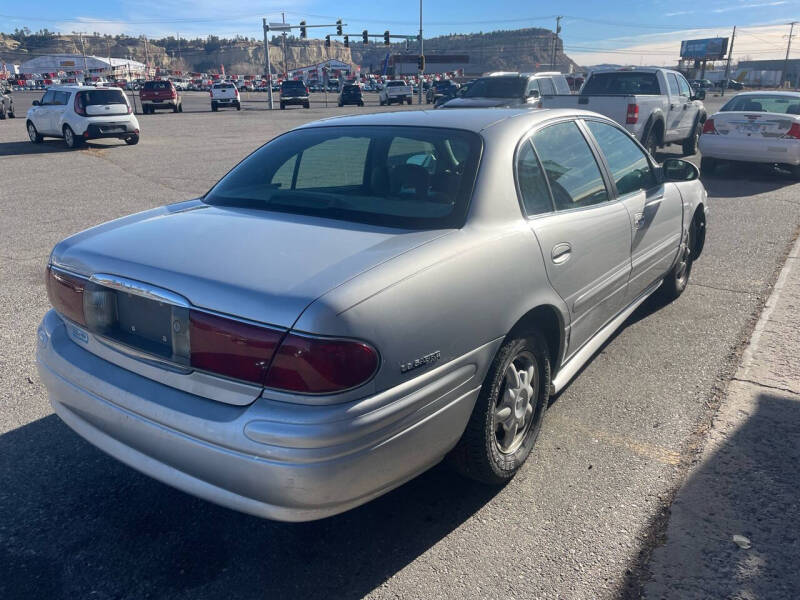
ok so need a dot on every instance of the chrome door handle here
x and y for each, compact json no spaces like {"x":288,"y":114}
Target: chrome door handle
{"x":560,"y":253}
{"x":638,"y":221}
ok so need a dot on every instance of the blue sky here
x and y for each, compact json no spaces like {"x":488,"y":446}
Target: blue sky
{"x":612,"y":31}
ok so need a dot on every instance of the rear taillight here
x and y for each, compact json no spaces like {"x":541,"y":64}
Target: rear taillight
{"x":65,"y":293}
{"x":314,"y":365}
{"x":632,"y":116}
{"x":231,"y":348}
{"x":708,"y":127}
{"x":224,"y":346}
{"x":77,"y":104}
{"x":794,"y":132}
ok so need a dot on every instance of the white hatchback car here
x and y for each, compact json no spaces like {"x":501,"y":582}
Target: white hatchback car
{"x":79,"y":113}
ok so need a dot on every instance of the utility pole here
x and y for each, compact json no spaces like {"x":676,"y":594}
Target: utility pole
{"x":108,"y":51}
{"x":421,"y":56}
{"x":555,"y":40}
{"x":86,"y":71}
{"x":788,"y":49}
{"x":179,"y":45}
{"x":285,"y":56}
{"x":728,"y":64}
{"x":146,"y":59}
{"x":269,"y":66}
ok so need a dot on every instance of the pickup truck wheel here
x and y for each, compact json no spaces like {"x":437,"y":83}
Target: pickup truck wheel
{"x":11,"y":113}
{"x":2,"y":112}
{"x":690,"y":143}
{"x":708,"y":165}
{"x":508,"y":413}
{"x":651,"y":143}
{"x":175,"y":108}
{"x":213,"y":107}
{"x":33,"y":134}
{"x":678,"y":278}
{"x":238,"y":106}
{"x":307,"y":105}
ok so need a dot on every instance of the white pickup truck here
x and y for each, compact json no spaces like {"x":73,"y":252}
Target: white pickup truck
{"x":395,"y":91}
{"x":658,"y":106}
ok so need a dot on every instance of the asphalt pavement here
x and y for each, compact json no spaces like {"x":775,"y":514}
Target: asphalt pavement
{"x":579,"y":521}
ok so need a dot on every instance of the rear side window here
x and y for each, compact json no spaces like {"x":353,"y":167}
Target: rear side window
{"x":405,"y":177}
{"x":572,"y":171}
{"x":532,"y":182}
{"x":621,"y":82}
{"x":562,"y":87}
{"x":672,"y":81}
{"x":546,"y":86}
{"x":61,"y":98}
{"x":627,"y":162}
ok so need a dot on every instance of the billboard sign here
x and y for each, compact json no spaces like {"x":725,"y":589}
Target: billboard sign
{"x":705,"y":49}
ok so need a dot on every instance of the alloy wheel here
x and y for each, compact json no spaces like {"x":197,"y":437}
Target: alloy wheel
{"x":516,"y":403}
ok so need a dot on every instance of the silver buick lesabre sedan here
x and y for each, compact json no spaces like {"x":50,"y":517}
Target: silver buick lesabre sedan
{"x":360,"y":298}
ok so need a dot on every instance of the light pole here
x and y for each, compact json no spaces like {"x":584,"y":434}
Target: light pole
{"x":269,"y":66}
{"x":421,"y":56}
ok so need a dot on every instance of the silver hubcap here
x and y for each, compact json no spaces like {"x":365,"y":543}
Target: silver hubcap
{"x":31,"y":131}
{"x":68,"y":136}
{"x":516,"y":403}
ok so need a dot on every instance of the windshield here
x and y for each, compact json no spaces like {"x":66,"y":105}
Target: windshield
{"x":497,"y":87}
{"x":622,"y":82}
{"x":405,"y":177}
{"x":771,"y":103}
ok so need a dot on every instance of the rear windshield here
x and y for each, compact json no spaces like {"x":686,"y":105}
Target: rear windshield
{"x":157,"y":85}
{"x":497,"y":87}
{"x":404,"y":177}
{"x":223,"y":86}
{"x":395,"y":83}
{"x":100,"y":97}
{"x":351,"y":88}
{"x":294,"y":84}
{"x":623,"y":83}
{"x":771,"y":103}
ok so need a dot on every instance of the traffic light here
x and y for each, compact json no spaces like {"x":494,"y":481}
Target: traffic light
{"x":302,"y":29}
{"x":386,"y":38}
{"x":339,"y":27}
{"x":365,"y":36}
{"x":421,"y":63}
{"x":327,"y":41}
{"x":346,"y":41}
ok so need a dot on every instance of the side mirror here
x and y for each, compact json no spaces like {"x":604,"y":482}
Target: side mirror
{"x":533,"y":94}
{"x":36,"y":103}
{"x":675,"y":169}
{"x":699,"y":95}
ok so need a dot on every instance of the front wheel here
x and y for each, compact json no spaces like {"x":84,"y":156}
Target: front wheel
{"x":677,"y":279}
{"x":690,"y":144}
{"x":508,"y":413}
{"x":33,"y":134}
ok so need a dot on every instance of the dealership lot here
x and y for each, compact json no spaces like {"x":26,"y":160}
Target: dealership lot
{"x":75,"y":523}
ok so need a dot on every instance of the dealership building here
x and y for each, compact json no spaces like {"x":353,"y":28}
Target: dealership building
{"x":73,"y":64}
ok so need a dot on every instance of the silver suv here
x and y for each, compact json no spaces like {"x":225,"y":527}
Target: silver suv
{"x":510,"y":90}
{"x":6,"y":103}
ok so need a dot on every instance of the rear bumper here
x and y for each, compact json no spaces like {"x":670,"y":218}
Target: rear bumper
{"x":166,"y":103}
{"x":755,"y":150}
{"x":272,"y":459}
{"x":109,"y":130}
{"x":295,"y":100}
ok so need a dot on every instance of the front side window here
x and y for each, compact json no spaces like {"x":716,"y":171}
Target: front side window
{"x":48,"y":98}
{"x":571,"y":168}
{"x":532,"y":182}
{"x":684,"y":87}
{"x":672,"y":81}
{"x":405,"y":177}
{"x":628,"y":164}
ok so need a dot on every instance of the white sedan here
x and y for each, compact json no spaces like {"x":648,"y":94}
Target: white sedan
{"x":757,"y":127}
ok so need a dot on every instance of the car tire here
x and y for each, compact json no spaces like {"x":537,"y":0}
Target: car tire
{"x":33,"y":134}
{"x":214,"y":107}
{"x":70,"y":138}
{"x":132,"y":140}
{"x":689,"y":145}
{"x":361,"y":104}
{"x":2,"y":112}
{"x":677,"y":279}
{"x":515,"y":393}
{"x":307,"y":105}
{"x":175,"y":108}
{"x":795,"y":171}
{"x":408,"y":101}
{"x":283,"y":106}
{"x":651,"y":143}
{"x":180,"y":107}
{"x":11,"y":113}
{"x":708,"y":165}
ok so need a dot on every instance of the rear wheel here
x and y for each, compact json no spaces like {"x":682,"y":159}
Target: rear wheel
{"x":283,"y":106}
{"x":306,"y":105}
{"x":708,"y":165}
{"x":213,"y":107}
{"x":175,"y":108}
{"x":33,"y":134}
{"x":180,"y":107}
{"x":408,"y":101}
{"x":2,"y":112}
{"x":11,"y":112}
{"x":795,"y":171}
{"x":70,"y":138}
{"x":651,"y":142}
{"x":132,"y":140}
{"x":508,"y":413}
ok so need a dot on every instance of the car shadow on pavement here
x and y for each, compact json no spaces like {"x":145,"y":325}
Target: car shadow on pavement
{"x":747,"y":487}
{"x":737,"y":180}
{"x":75,"y":523}
{"x":46,"y":147}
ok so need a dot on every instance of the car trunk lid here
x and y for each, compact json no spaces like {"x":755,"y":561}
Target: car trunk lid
{"x":757,"y":125}
{"x":261,"y":266}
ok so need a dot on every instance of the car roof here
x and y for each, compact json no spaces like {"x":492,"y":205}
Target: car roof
{"x":70,"y":88}
{"x":470,"y":119}
{"x":769,"y":93}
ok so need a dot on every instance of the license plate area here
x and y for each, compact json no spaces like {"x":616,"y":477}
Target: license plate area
{"x":144,"y":324}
